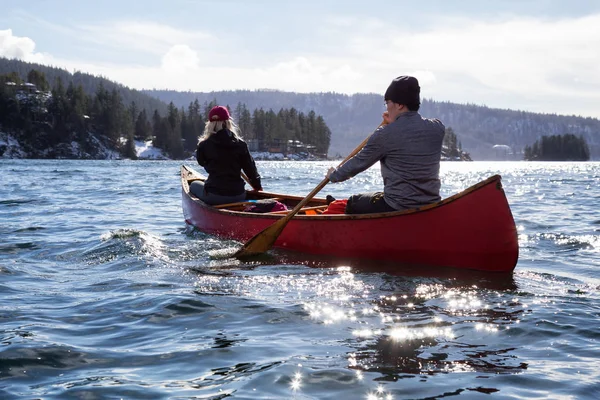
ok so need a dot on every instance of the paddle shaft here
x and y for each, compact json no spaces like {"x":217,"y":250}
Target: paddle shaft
{"x":324,"y":181}
{"x":246,"y":178}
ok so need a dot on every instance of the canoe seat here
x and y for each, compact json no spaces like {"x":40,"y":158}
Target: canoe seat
{"x":239,"y":205}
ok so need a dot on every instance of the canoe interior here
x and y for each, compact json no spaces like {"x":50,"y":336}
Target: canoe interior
{"x":316,"y":206}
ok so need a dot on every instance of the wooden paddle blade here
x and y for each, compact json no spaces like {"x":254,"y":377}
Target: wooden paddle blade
{"x":262,"y":241}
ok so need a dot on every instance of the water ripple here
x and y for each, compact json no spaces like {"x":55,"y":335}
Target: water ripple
{"x":106,"y":293}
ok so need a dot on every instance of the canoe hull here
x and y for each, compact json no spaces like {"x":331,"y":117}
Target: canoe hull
{"x":471,"y":231}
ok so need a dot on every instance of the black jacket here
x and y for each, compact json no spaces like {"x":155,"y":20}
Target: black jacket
{"x":224,"y":156}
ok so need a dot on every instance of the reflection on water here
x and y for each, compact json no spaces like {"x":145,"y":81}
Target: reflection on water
{"x":400,"y":321}
{"x":419,"y":325}
{"x":488,"y":280}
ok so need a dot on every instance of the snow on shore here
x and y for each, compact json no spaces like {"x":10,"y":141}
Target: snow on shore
{"x":145,"y":151}
{"x":11,"y":148}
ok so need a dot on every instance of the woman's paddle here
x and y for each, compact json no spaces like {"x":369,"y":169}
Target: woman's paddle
{"x":263,"y":241}
{"x":245,"y":177}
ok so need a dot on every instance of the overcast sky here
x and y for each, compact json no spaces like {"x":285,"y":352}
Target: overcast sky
{"x":532,"y":55}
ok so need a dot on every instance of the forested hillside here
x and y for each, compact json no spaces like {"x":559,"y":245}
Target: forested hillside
{"x":352,"y":117}
{"x":51,"y":118}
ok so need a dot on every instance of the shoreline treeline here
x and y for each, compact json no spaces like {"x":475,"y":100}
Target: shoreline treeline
{"x":558,"y":148}
{"x":44,"y":116}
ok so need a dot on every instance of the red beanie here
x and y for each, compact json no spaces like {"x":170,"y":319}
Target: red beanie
{"x":218,"y":113}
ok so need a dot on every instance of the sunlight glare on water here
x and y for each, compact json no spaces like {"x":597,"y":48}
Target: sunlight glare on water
{"x":109,"y":294}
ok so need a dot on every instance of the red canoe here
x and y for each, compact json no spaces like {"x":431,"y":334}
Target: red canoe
{"x":473,"y":229}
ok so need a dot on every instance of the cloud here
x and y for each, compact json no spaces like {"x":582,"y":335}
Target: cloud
{"x":537,"y":64}
{"x":180,"y":70}
{"x":180,"y":58}
{"x":540,"y":64}
{"x":21,"y":48}
{"x":303,"y":74}
{"x":517,"y":55}
{"x":142,"y":36}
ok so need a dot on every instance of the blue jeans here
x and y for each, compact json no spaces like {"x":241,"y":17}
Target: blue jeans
{"x":197,"y":189}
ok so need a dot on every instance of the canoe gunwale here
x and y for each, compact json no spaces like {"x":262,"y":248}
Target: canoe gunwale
{"x":188,"y":174}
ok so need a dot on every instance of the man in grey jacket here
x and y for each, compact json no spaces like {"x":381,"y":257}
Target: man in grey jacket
{"x":408,"y":147}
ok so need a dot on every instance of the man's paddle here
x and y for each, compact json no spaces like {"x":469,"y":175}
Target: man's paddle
{"x":263,"y":241}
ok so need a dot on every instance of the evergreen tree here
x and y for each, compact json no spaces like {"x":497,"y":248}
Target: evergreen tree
{"x":310,"y":133}
{"x":323,"y":137}
{"x":450,"y":143}
{"x":142,"y":129}
{"x":272,"y":127}
{"x":172,"y":140}
{"x":193,"y":127}
{"x":162,"y":134}
{"x":106,"y":113}
{"x":132,"y":114}
{"x":173,"y":116}
{"x":292,"y":123}
{"x":129,"y":151}
{"x":157,"y":131}
{"x":38,"y":79}
{"x":59,"y":108}
{"x":245,"y":124}
{"x":11,"y":77}
{"x":208,"y":107}
{"x":237,"y":115}
{"x":302,"y":123}
{"x":77,"y":112}
{"x":126,"y":132}
{"x":10,"y":109}
{"x":259,"y":128}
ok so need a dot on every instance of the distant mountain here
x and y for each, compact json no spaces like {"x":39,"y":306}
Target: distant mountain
{"x":89,"y":83}
{"x":352,"y":117}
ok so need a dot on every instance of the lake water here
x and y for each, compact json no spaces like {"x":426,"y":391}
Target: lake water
{"x":105,"y":293}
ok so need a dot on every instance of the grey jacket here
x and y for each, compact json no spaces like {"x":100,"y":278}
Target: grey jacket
{"x":409,"y":150}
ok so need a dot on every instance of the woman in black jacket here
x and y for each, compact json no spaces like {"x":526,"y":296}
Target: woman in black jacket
{"x":223,"y":154}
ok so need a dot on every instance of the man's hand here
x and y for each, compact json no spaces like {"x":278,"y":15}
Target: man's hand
{"x":386,"y":118}
{"x":329,"y":172}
